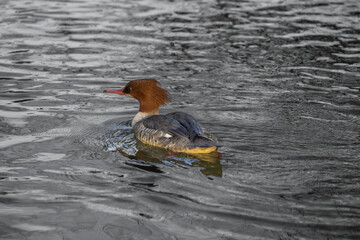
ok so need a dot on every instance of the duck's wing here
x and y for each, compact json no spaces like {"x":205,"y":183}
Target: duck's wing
{"x":192,"y":126}
{"x":178,"y":129}
{"x":176,"y":124}
{"x":164,"y":124}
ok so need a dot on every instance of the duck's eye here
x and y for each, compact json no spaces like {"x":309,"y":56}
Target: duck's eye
{"x":128,"y":90}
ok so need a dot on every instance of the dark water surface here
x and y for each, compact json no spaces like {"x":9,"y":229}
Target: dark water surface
{"x":277,"y":82}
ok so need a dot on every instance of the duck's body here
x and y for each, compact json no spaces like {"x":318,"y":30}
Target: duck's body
{"x":177,"y":131}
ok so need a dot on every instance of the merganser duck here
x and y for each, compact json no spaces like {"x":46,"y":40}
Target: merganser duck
{"x":177,"y":131}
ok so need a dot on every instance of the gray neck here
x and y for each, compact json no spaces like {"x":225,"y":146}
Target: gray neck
{"x":140,"y":115}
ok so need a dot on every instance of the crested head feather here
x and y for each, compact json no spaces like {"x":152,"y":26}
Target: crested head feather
{"x":147,"y":91}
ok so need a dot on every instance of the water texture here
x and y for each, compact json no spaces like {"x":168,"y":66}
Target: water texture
{"x":277,"y":82}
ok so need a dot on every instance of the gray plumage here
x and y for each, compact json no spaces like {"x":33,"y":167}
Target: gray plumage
{"x":174,"y":131}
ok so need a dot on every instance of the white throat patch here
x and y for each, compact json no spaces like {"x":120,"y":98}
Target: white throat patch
{"x":139,"y":116}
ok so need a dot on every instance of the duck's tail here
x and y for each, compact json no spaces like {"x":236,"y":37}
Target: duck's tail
{"x":203,"y":142}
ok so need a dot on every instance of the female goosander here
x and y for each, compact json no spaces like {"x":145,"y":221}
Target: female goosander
{"x":177,"y":131}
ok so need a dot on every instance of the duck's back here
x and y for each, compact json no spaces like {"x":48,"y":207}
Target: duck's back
{"x":177,"y":131}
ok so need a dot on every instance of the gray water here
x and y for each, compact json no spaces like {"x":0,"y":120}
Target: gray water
{"x":277,"y":82}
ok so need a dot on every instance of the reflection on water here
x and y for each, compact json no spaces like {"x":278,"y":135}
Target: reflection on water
{"x":277,"y":82}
